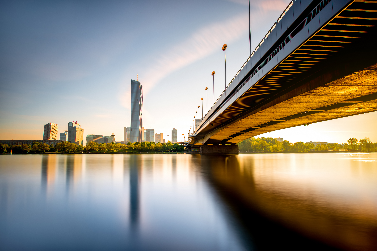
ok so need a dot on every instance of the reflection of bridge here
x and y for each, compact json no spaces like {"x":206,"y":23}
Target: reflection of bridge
{"x":317,"y":63}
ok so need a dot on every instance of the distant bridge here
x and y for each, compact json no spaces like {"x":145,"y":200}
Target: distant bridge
{"x":318,"y":62}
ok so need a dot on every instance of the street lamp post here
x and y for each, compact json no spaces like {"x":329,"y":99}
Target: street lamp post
{"x":249,"y":30}
{"x":202,"y":109}
{"x":213,"y":75}
{"x":224,"y":48}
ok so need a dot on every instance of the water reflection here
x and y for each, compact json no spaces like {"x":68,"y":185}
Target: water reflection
{"x":188,"y":202}
{"x":291,"y":190}
{"x":134,"y":165}
{"x":47,"y":171}
{"x":73,"y":170}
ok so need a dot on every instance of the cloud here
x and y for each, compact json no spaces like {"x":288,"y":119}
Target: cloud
{"x":199,"y":45}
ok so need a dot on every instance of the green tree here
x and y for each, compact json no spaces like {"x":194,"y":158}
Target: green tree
{"x":352,"y":143}
{"x":4,"y":148}
{"x":287,"y":146}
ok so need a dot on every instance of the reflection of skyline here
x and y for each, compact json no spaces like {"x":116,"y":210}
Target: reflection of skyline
{"x":134,"y":164}
{"x":73,"y":169}
{"x":47,"y":171}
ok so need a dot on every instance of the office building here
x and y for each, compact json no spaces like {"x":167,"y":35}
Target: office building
{"x":136,"y":112}
{"x":127,"y":131}
{"x":174,"y":136}
{"x":159,"y":138}
{"x":149,"y":135}
{"x":63,"y":136}
{"x":50,"y":131}
{"x":75,"y":133}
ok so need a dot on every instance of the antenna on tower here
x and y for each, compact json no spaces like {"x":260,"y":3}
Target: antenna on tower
{"x":137,"y":77}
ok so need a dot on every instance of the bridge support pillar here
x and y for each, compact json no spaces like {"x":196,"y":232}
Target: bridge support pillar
{"x":219,"y":149}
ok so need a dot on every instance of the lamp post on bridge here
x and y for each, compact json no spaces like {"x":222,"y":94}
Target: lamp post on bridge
{"x":213,"y":75}
{"x":249,"y":30}
{"x":224,"y":48}
{"x":202,"y":109}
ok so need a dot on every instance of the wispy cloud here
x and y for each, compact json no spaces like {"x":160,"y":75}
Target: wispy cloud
{"x":199,"y":45}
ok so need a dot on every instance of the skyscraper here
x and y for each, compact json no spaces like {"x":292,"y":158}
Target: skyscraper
{"x":50,"y":131}
{"x":136,"y":111}
{"x":75,"y":133}
{"x":174,"y":136}
{"x":149,"y":135}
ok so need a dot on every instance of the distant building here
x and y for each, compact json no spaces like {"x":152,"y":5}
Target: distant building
{"x":50,"y":131}
{"x":143,"y":135}
{"x":174,"y":136}
{"x":100,"y":139}
{"x":75,"y":133}
{"x":279,"y":139}
{"x":159,"y":138}
{"x":127,"y":134}
{"x":150,"y":135}
{"x":136,"y":112}
{"x":63,"y":136}
{"x":93,"y":137}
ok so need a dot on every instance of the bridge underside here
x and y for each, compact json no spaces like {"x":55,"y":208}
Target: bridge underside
{"x":351,"y":95}
{"x":331,"y":75}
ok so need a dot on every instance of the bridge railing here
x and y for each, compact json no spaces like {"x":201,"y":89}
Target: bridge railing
{"x":260,"y":64}
{"x":251,"y":55}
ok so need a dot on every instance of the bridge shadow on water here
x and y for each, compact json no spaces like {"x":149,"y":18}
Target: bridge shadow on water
{"x":274,"y":221}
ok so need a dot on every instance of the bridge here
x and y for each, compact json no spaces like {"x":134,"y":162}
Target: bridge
{"x":317,"y":63}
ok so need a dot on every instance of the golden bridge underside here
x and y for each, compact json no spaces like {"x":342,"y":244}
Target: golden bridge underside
{"x":331,"y":75}
{"x":351,"y":95}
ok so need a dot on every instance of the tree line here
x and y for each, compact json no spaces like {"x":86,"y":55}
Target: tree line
{"x":92,"y":147}
{"x":270,"y":145}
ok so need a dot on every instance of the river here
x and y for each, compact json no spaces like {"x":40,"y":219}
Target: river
{"x":315,"y":201}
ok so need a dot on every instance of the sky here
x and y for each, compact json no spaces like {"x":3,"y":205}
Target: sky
{"x":63,"y":61}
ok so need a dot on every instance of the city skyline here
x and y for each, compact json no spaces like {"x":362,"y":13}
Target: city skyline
{"x":73,"y":62}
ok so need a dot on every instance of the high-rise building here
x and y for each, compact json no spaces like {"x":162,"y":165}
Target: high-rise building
{"x":63,"y":136}
{"x":159,"y":138}
{"x":75,"y":133}
{"x":143,"y":135}
{"x":50,"y":131}
{"x":150,"y":135}
{"x":174,"y":136}
{"x":127,"y":131}
{"x":136,"y":112}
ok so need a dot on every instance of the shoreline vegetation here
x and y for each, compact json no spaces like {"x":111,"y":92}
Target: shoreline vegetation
{"x":270,"y":145}
{"x":252,"y":145}
{"x":93,"y":147}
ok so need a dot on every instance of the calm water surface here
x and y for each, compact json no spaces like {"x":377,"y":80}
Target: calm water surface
{"x":188,"y":202}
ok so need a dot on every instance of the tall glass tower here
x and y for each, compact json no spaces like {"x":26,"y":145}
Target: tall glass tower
{"x":136,"y":112}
